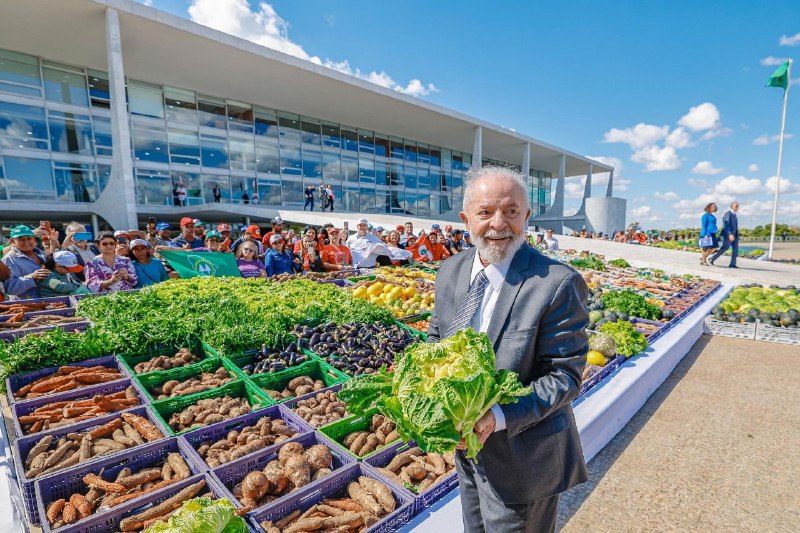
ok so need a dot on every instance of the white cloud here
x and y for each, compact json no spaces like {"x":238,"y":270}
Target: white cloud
{"x":706,"y":168}
{"x":666,"y":196}
{"x":700,"y":184}
{"x":787,"y":186}
{"x":265,"y":27}
{"x":679,"y":138}
{"x":701,"y":117}
{"x":752,"y":168}
{"x":771,"y":61}
{"x":330,"y":19}
{"x":573,"y":187}
{"x":655,"y":158}
{"x":639,"y":136}
{"x":737,"y":186}
{"x":765,"y":139}
{"x":789,"y":40}
{"x":147,"y":2}
{"x":643,"y":211}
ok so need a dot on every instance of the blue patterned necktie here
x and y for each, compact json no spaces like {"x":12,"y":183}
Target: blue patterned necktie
{"x":466,"y":311}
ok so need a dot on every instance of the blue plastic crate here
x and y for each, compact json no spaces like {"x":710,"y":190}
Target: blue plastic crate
{"x":335,"y":486}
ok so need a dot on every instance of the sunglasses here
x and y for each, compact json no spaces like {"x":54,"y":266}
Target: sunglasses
{"x":248,"y":251}
{"x":107,"y":243}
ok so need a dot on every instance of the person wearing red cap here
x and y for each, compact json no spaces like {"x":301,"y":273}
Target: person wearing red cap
{"x":187,"y":239}
{"x":252,"y":233}
{"x":225,"y":234}
{"x":63,"y":266}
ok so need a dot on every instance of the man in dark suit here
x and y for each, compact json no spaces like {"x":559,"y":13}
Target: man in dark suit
{"x":730,"y":235}
{"x":534,"y":311}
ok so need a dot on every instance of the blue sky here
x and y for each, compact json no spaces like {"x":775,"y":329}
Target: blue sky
{"x":671,"y":93}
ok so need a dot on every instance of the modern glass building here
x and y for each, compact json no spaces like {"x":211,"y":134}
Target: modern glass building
{"x":107,"y":112}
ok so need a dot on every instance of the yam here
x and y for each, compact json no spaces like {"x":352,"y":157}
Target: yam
{"x":54,"y":510}
{"x":380,"y":491}
{"x":298,"y":470}
{"x":78,"y":501}
{"x":255,"y":485}
{"x":170,"y":504}
{"x":369,"y":445}
{"x":288,"y":450}
{"x":278,"y":480}
{"x":403,"y":458}
{"x":321,"y":473}
{"x":358,"y":443}
{"x":364,"y":498}
{"x":69,"y":514}
{"x":178,"y":465}
{"x":319,"y":456}
{"x":40,"y":447}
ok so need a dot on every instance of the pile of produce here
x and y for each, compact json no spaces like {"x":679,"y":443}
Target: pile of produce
{"x":271,"y":361}
{"x":203,"y":515}
{"x":369,"y":500}
{"x":628,"y":341}
{"x":324,"y":408}
{"x":381,"y":432}
{"x":438,"y":392}
{"x":50,"y":455}
{"x":630,"y":303}
{"x":316,"y":276}
{"x":773,"y":306}
{"x":200,"y":383}
{"x":14,"y":308}
{"x":147,"y":518}
{"x":419,"y":471}
{"x":297,"y":387}
{"x":57,"y":414}
{"x":67,"y":378}
{"x":620,"y":263}
{"x":590,"y":261}
{"x":238,"y":443}
{"x":166,"y":362}
{"x":209,"y":411}
{"x":294,"y":468}
{"x":18,"y":321}
{"x":356,"y":349}
{"x":402,"y":297}
{"x":103,"y":494}
{"x":420,"y":325}
{"x":404,"y":273}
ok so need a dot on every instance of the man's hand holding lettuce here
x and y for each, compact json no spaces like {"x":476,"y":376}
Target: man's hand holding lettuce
{"x":438,"y":392}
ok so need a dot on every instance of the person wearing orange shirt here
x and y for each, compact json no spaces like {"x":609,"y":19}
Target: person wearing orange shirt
{"x":438,"y":249}
{"x":277,"y":228}
{"x":335,"y":255}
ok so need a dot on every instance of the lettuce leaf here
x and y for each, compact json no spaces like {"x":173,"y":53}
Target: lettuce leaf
{"x":438,"y":392}
{"x":202,"y":515}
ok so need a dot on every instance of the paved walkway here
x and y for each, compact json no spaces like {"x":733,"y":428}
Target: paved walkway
{"x":715,"y":448}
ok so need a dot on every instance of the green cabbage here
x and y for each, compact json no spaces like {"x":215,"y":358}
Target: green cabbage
{"x":202,"y":515}
{"x":438,"y":392}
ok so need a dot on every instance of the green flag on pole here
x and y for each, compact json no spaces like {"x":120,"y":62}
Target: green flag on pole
{"x":780,"y":78}
{"x":190,"y":264}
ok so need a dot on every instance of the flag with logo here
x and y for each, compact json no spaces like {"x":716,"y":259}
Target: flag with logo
{"x":780,"y":78}
{"x":190,"y":264}
{"x":422,"y":249}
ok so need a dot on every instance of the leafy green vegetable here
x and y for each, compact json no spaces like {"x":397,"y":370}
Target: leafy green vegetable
{"x":629,"y":341}
{"x":438,"y":392}
{"x":593,"y":262}
{"x":619,"y":263}
{"x":630,"y":303}
{"x":202,"y":515}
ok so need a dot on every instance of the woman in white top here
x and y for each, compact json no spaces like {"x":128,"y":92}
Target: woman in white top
{"x":398,"y":255}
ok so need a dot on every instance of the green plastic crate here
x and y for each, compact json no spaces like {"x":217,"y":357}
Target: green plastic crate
{"x":356,"y":279}
{"x":153,"y":379}
{"x":238,"y":389}
{"x":129,"y":360}
{"x":337,"y":431}
{"x":402,"y":323}
{"x":246,"y":358}
{"x":315,"y":369}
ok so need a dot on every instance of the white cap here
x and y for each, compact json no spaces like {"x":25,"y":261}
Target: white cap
{"x":363,"y":221}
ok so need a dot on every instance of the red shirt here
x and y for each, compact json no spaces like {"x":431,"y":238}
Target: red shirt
{"x":339,"y":255}
{"x":439,"y":251}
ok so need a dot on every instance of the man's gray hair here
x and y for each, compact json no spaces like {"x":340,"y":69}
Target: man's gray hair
{"x":500,"y":172}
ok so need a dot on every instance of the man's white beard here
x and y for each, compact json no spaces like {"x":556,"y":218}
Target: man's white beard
{"x":494,"y":253}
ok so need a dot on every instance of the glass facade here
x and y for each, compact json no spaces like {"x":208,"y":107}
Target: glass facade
{"x":55,"y":145}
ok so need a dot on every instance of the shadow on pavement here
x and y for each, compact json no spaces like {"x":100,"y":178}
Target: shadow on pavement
{"x":572,"y":500}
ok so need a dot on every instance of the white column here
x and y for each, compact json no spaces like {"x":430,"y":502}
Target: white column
{"x":610,"y":188}
{"x":120,"y":194}
{"x":95,"y":225}
{"x":526,"y":160}
{"x":587,"y":189}
{"x":477,"y":147}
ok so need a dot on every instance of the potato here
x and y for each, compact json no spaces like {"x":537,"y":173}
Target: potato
{"x":255,"y":485}
{"x":288,"y":450}
{"x":319,"y":456}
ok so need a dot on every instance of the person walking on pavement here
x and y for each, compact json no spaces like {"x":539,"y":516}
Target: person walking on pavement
{"x":729,"y":235}
{"x":309,"y":196}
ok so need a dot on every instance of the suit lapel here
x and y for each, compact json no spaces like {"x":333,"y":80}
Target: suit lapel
{"x":462,"y":279}
{"x":508,"y":293}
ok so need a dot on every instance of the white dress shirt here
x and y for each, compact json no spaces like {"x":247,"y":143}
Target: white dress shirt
{"x":480,"y":321}
{"x":366,"y":249}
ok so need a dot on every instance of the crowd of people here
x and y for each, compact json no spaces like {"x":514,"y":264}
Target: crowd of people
{"x":42,"y":262}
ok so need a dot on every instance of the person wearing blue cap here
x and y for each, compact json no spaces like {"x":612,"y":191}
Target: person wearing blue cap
{"x":467,"y":241}
{"x":26,"y":264}
{"x":161,"y":235}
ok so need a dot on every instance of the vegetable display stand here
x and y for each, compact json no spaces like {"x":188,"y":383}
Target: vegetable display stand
{"x":423,"y":500}
{"x":339,"y":430}
{"x":130,"y":360}
{"x":278,"y":357}
{"x":729,"y":329}
{"x":781,"y":335}
{"x":335,"y":486}
{"x":111,"y":519}
{"x":315,"y":369}
{"x":16,"y":382}
{"x":68,"y":327}
{"x":65,"y":484}
{"x":24,"y":445}
{"x":652,"y":329}
{"x":36,"y":304}
{"x":159,"y":377}
{"x":234,"y":472}
{"x":236,"y":389}
{"x":607,"y":370}
{"x":403,"y":323}
{"x":86,"y":393}
{"x":220,"y":430}
{"x":291,"y":405}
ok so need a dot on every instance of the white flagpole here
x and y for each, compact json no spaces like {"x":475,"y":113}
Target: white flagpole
{"x":780,"y":160}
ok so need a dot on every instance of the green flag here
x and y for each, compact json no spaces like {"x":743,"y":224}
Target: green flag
{"x":780,"y":78}
{"x":189,"y":264}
